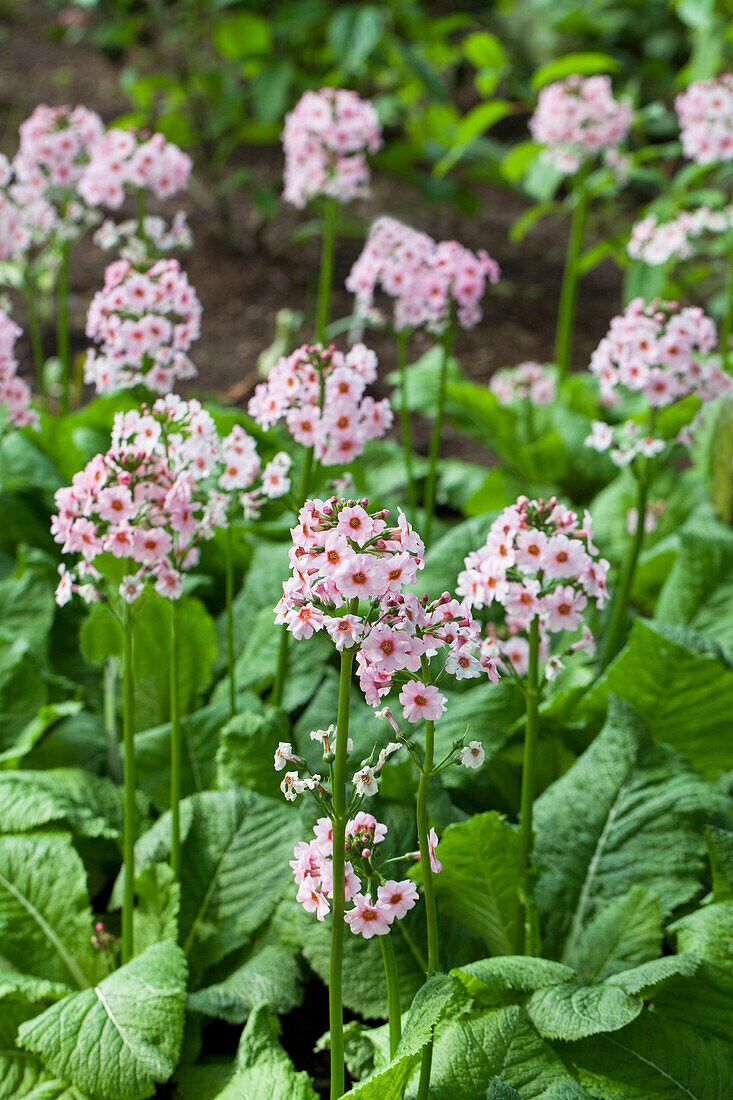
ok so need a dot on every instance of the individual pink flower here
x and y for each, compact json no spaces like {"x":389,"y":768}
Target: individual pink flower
{"x":563,"y":608}
{"x":435,"y":865}
{"x":313,"y":900}
{"x":399,"y":897}
{"x":421,"y":702}
{"x":367,"y":918}
{"x":529,"y":382}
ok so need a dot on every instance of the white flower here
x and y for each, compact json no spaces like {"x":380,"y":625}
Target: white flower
{"x":473,"y":755}
{"x":130,"y":588}
{"x":553,"y":667}
{"x":283,"y":754}
{"x":365,"y":781}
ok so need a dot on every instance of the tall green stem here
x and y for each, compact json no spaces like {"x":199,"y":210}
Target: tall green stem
{"x":403,"y":337}
{"x":335,"y":992}
{"x":63,"y":334}
{"x":34,"y":328}
{"x":109,"y":706}
{"x":530,"y":744}
{"x":569,"y":292}
{"x":617,"y":623}
{"x":128,"y":832}
{"x":726,"y":328}
{"x":276,"y":695}
{"x":435,"y":438}
{"x":325,"y":278}
{"x":175,"y":751}
{"x":229,"y":598}
{"x":393,"y":992}
{"x":431,"y":913}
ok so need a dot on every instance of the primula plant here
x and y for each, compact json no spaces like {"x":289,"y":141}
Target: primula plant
{"x":339,"y":757}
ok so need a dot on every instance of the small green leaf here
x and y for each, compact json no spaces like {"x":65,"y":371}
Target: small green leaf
{"x":582,"y":64}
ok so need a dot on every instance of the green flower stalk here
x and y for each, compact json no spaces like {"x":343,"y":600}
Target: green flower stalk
{"x":616,"y":632}
{"x":229,"y":611}
{"x":129,"y":821}
{"x":63,"y":332}
{"x":176,"y":747}
{"x":403,"y":337}
{"x":446,"y":343}
{"x":530,"y":744}
{"x":571,"y":278}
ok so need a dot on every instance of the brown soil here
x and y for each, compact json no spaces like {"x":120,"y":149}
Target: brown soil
{"x":246,"y":273}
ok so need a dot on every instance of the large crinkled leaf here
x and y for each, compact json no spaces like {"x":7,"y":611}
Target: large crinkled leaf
{"x":481,"y":879}
{"x":622,"y":935}
{"x":648,"y":978}
{"x":122,"y":1037}
{"x":491,"y":980}
{"x":88,"y":804}
{"x":45,"y":919}
{"x":262,"y":1069}
{"x":680,"y":686}
{"x":572,"y":1011}
{"x":471,"y":1050}
{"x":628,"y":812}
{"x":234,"y":867}
{"x":499,"y":1090}
{"x":25,"y":989}
{"x":654,"y":1059}
{"x":270,"y":975}
{"x":157,"y":905}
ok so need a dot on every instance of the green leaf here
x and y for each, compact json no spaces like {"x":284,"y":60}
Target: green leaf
{"x":27,"y":608}
{"x":471,"y":1051}
{"x":680,"y":687}
{"x":478,"y":120}
{"x":571,"y":1011}
{"x":720,"y":852}
{"x":490,"y":980}
{"x":484,"y":50}
{"x":88,"y":804}
{"x":423,"y":381}
{"x":270,"y":975}
{"x":431,"y":1003}
{"x":654,"y":1059}
{"x":263,"y":1070}
{"x":234,"y":867}
{"x":692,"y":592}
{"x":157,"y":905}
{"x":120,"y":1038}
{"x":46,"y":718}
{"x":45,"y":931}
{"x":354,"y":32}
{"x":622,"y":935}
{"x":243,"y":34}
{"x":634,"y":810}
{"x":22,"y":693}
{"x":481,"y":879}
{"x":247,"y":748}
{"x":582,"y":64}
{"x":498,"y":1090}
{"x":708,"y":932}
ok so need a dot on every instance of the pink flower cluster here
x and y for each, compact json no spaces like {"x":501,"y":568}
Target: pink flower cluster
{"x":55,"y":146}
{"x":145,"y":318}
{"x":160,"y":490}
{"x":134,"y":160}
{"x":654,"y":242}
{"x":39,"y":197}
{"x":426,"y":280}
{"x":654,"y":349}
{"x":348,"y":572}
{"x":319,"y":392}
{"x":527,"y":382}
{"x":15,"y":394}
{"x":578,"y":118}
{"x":705,"y":113}
{"x":538,"y":562}
{"x":313,"y":873}
{"x":326,"y":139}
